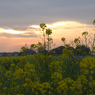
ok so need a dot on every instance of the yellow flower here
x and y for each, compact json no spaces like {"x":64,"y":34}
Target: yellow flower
{"x":43,"y":91}
{"x":90,"y":77}
{"x":87,"y":62}
{"x":29,"y":66}
{"x":79,"y":86}
{"x":56,"y":75}
{"x":80,"y":93}
{"x":5,"y":88}
{"x":91,"y":85}
{"x":32,"y":89}
{"x":91,"y":72}
{"x":32,"y":70}
{"x":72,"y":88}
{"x":49,"y":92}
{"x":82,"y":79}
{"x":86,"y":72}
{"x":36,"y":93}
{"x":0,"y":83}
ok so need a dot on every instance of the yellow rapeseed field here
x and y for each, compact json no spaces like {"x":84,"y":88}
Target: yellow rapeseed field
{"x":32,"y":75}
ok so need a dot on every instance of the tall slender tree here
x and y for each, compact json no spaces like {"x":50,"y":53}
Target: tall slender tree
{"x":50,"y":41}
{"x":94,"y":36}
{"x":77,"y":41}
{"x":23,"y":49}
{"x":63,"y":40}
{"x":93,"y":22}
{"x":67,"y":45}
{"x":40,"y":46}
{"x":33,"y":47}
{"x":48,"y":32}
{"x":85,"y":33}
{"x":43,"y":27}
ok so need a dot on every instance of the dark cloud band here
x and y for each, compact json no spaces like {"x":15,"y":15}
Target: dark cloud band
{"x":23,"y":13}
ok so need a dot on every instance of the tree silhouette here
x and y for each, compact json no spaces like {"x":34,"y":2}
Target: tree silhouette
{"x":67,"y":45}
{"x":50,"y":41}
{"x":94,"y":35}
{"x":23,"y":49}
{"x":85,"y":35}
{"x":81,"y":50}
{"x":94,"y":22}
{"x":63,"y":40}
{"x":40,"y":47}
{"x":57,"y":51}
{"x":77,"y":41}
{"x":48,"y":32}
{"x":33,"y":47}
{"x":43,"y":26}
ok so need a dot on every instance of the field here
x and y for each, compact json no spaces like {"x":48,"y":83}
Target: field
{"x":55,"y":75}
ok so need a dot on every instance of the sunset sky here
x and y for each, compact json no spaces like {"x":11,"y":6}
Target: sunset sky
{"x":20,"y":20}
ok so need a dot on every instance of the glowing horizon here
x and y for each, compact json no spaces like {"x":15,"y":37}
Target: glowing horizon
{"x":67,"y":29}
{"x":49,"y":25}
{"x":52,"y":25}
{"x":2,"y":30}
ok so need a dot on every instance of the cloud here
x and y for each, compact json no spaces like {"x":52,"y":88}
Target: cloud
{"x":19,"y":14}
{"x":10,"y":38}
{"x":67,"y":29}
{"x":25,"y":35}
{"x":11,"y":33}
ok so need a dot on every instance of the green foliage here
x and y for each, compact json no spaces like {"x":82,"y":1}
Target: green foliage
{"x":67,"y":45}
{"x":23,"y":49}
{"x":77,"y":41}
{"x":48,"y":31}
{"x":50,"y":39}
{"x":82,"y":50}
{"x":94,"y":22}
{"x":49,"y":75}
{"x":67,"y":52}
{"x":63,"y":40}
{"x":57,"y":51}
{"x":33,"y":46}
{"x":85,"y":33}
{"x":59,"y":75}
{"x":40,"y":47}
{"x":43,"y":26}
{"x":93,"y":48}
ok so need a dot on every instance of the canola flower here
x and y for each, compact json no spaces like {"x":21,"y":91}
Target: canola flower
{"x":24,"y":76}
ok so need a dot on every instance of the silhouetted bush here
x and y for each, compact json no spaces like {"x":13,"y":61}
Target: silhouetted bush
{"x":57,"y":51}
{"x":82,"y":50}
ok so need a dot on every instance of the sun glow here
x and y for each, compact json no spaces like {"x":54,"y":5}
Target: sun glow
{"x":10,"y":31}
{"x":56,"y":24}
{"x":35,"y":26}
{"x":50,"y":25}
{"x":68,"y":29}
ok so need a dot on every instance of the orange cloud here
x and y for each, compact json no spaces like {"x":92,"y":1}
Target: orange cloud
{"x":68,"y":29}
